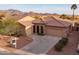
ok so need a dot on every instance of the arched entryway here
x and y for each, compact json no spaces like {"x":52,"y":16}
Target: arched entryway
{"x":38,"y":29}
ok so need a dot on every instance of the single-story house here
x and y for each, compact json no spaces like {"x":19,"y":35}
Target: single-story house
{"x":47,"y":25}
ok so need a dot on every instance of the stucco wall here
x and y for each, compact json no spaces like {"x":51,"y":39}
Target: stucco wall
{"x":56,"y":31}
{"x":29,"y":31}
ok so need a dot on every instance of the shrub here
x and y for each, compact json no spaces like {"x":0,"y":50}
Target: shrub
{"x":65,"y":40}
{"x":60,"y":45}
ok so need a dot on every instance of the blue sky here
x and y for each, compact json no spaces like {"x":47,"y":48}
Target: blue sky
{"x":41,"y":8}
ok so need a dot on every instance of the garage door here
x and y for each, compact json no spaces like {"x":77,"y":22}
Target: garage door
{"x":54,"y":31}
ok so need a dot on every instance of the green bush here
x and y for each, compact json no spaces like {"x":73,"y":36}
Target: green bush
{"x":9,"y":26}
{"x":60,"y":45}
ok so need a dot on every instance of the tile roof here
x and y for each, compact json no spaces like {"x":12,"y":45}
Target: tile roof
{"x":57,"y":22}
{"x":53,"y":21}
{"x":26,"y":21}
{"x":47,"y":20}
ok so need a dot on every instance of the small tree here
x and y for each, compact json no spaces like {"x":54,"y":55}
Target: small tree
{"x":9,"y":26}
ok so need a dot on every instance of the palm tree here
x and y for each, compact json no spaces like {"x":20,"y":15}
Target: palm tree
{"x":73,"y":7}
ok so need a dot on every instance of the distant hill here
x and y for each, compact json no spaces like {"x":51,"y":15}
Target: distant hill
{"x":12,"y":13}
{"x":41,"y":14}
{"x":19,"y":14}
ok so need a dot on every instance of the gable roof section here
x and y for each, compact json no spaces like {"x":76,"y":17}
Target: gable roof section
{"x":26,"y":21}
{"x":52,"y":21}
{"x":47,"y":20}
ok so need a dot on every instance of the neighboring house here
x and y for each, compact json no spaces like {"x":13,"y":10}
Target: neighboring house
{"x":47,"y":25}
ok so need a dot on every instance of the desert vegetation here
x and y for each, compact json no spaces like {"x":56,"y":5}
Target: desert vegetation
{"x":61,"y":44}
{"x":9,"y":26}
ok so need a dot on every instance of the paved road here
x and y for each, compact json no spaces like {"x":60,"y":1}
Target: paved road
{"x":41,"y":44}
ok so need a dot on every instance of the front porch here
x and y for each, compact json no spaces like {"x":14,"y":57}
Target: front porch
{"x":39,"y":29}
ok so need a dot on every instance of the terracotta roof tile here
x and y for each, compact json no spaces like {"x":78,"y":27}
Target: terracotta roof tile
{"x":26,"y":21}
{"x":52,"y":21}
{"x":48,"y":20}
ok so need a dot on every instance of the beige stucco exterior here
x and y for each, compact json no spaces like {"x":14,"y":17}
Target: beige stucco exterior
{"x":29,"y":30}
{"x":54,"y":31}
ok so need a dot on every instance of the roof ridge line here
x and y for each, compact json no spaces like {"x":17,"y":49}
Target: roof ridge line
{"x":42,"y":20}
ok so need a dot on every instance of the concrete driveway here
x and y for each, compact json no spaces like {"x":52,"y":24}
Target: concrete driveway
{"x":41,"y":44}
